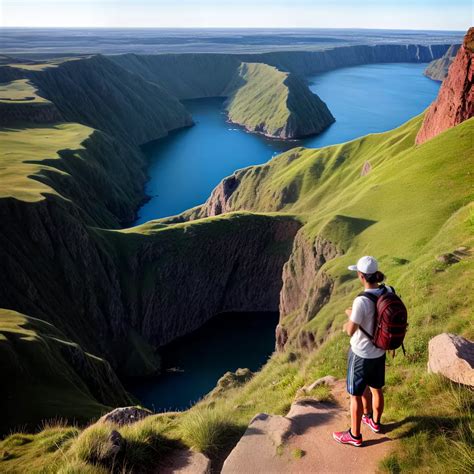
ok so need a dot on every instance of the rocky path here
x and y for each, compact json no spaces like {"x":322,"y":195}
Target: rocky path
{"x":301,"y":441}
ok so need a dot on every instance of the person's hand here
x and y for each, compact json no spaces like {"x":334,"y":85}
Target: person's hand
{"x":348,"y":312}
{"x":344,"y":326}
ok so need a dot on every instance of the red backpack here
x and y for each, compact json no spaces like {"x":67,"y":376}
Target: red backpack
{"x":390,"y":320}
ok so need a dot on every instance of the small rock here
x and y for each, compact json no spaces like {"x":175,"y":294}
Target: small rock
{"x":328,"y":380}
{"x":448,"y":258}
{"x":366,"y":169}
{"x":125,"y":415}
{"x":453,"y":357}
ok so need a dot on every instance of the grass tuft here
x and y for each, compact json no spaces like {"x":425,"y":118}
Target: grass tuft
{"x":208,"y":430}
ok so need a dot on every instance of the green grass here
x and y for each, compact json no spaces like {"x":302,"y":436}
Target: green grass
{"x":275,"y":103}
{"x":298,"y":453}
{"x":20,"y":91}
{"x":22,"y":151}
{"x":42,"y":452}
{"x":209,"y":430}
{"x":35,"y":358}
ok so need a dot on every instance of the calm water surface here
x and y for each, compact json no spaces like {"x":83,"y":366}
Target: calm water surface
{"x":226,"y":342}
{"x":189,"y":163}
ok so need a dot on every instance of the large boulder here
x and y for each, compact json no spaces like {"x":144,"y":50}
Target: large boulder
{"x":452,"y":356}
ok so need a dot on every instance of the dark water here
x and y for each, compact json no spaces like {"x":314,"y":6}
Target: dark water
{"x":188,"y":164}
{"x":227,"y":342}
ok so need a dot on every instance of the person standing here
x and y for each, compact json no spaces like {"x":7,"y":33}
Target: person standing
{"x":366,"y":362}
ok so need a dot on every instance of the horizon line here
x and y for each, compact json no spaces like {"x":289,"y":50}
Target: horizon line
{"x":228,"y":28}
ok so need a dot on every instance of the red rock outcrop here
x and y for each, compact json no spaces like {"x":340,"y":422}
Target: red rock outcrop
{"x":455,"y":101}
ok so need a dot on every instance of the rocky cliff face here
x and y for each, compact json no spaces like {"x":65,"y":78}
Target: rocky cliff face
{"x":312,"y":62}
{"x":455,"y":101}
{"x":438,"y":69}
{"x":175,"y":278}
{"x":306,"y":288}
{"x":35,"y":113}
{"x":186,"y":76}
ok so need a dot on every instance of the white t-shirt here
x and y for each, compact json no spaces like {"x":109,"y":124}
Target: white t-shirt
{"x":363,"y":314}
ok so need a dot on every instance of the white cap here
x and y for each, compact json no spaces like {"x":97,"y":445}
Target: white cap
{"x":367,"y":265}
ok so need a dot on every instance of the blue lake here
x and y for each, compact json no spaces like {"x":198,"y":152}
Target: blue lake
{"x":189,"y":163}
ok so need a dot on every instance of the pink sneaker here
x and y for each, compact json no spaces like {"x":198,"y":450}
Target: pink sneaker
{"x":367,"y":420}
{"x":345,"y":437}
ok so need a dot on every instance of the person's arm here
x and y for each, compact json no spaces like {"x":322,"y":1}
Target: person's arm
{"x":354,"y":315}
{"x":350,"y":327}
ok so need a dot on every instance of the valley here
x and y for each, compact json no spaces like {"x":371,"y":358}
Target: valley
{"x":89,"y":300}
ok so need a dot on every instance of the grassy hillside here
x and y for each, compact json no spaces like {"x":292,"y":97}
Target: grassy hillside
{"x":414,"y":204}
{"x":274,"y":103}
{"x":49,"y":374}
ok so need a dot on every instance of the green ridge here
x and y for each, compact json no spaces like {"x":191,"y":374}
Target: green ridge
{"x":275,"y":103}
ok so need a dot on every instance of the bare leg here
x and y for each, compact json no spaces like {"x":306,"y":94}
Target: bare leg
{"x":367,"y":401}
{"x":377,"y":403}
{"x":356,"y":414}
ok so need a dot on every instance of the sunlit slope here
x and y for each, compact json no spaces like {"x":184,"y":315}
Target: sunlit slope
{"x":275,"y":103}
{"x":410,"y":189}
{"x":97,"y":173}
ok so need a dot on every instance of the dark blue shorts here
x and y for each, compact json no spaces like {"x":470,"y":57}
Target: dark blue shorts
{"x":364,"y":372}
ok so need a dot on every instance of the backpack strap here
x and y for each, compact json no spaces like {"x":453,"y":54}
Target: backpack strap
{"x":373,"y":298}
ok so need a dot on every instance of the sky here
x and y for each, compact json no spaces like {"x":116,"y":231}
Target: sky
{"x":390,"y":14}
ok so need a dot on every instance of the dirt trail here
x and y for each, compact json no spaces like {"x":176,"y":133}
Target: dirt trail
{"x":301,"y":441}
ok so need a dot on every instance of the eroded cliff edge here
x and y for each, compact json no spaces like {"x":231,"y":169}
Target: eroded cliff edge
{"x":455,"y":101}
{"x":438,"y":69}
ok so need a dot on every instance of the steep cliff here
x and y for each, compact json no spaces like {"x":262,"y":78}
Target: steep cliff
{"x":455,"y":101}
{"x":438,"y":69}
{"x":186,"y":76}
{"x":96,"y":92}
{"x":274,"y":103}
{"x":312,"y":62}
{"x":175,"y":277}
{"x":116,"y":295}
{"x":193,"y":75}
